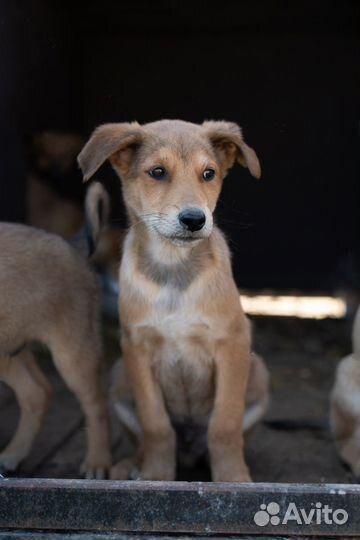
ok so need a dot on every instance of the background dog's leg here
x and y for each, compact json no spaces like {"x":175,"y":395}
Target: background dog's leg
{"x":232,"y":363}
{"x":342,"y":423}
{"x":33,"y":393}
{"x":159,"y":441}
{"x":346,"y":431}
{"x":78,"y":364}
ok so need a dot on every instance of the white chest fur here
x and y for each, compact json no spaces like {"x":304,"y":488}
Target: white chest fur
{"x":183,"y":360}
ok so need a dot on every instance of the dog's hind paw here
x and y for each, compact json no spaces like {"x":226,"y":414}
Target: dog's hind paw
{"x":3,"y":471}
{"x":8,"y":464}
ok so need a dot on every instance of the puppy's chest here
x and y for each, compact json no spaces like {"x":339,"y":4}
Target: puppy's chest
{"x":185,"y":374}
{"x":183,"y":357}
{"x":179,"y":318}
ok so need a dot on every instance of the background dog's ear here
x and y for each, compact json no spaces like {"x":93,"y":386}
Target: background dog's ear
{"x":228,"y":142}
{"x":116,"y":142}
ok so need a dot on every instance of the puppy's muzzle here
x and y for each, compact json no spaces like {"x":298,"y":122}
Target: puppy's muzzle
{"x":192,"y":219}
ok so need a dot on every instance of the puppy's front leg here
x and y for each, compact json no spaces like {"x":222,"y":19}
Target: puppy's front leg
{"x":232,"y":362}
{"x":159,"y":441}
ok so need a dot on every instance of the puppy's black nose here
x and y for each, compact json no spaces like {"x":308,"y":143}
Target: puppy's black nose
{"x":192,"y":219}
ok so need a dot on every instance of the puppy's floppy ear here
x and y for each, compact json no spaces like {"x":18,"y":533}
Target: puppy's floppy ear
{"x":228,"y":142}
{"x":116,"y":142}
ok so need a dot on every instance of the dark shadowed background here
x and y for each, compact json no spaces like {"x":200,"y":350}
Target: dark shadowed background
{"x":288,"y":72}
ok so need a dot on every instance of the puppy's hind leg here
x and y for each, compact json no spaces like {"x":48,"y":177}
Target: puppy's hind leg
{"x":33,"y":393}
{"x":78,"y":363}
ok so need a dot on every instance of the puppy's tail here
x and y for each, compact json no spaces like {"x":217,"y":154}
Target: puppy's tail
{"x":97,"y":213}
{"x":356,"y":335}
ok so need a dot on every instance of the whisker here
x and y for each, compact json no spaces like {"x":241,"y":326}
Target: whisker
{"x":154,"y":214}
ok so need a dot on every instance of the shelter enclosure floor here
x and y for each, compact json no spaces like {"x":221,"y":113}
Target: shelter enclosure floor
{"x":292,"y":444}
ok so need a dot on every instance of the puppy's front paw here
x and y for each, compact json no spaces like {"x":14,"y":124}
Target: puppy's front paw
{"x":227,"y":473}
{"x":241,"y":477}
{"x":94,"y":473}
{"x":96,"y":469}
{"x":125,"y":469}
{"x":244,"y":478}
{"x":159,"y":456}
{"x":164,"y":470}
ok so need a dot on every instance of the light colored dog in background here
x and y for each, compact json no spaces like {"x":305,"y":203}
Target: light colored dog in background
{"x":49,"y":295}
{"x":345,"y":404}
{"x":185,"y":339}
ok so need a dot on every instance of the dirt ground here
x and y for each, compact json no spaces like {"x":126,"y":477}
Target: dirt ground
{"x":293,"y":444}
{"x":302,"y":356}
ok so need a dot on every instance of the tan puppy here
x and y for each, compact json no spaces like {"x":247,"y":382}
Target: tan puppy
{"x":345,"y":404}
{"x":49,"y":295}
{"x":184,"y":336}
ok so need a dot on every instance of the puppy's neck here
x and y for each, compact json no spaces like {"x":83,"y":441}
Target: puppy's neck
{"x":167,"y":264}
{"x":165,"y":252}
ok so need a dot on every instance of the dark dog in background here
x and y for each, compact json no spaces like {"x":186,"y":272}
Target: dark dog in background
{"x":55,"y":196}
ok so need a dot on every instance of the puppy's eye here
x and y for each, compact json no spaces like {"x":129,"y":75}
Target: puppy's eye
{"x":208,"y":174}
{"x":158,"y":173}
